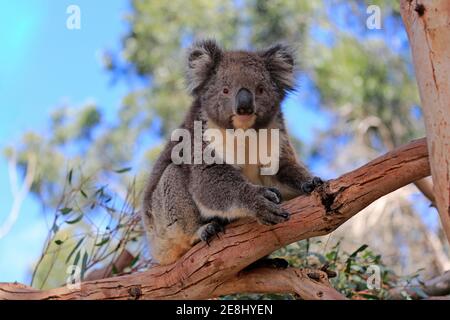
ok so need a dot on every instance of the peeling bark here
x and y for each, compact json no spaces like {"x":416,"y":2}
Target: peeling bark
{"x":427,"y":23}
{"x":214,"y":270}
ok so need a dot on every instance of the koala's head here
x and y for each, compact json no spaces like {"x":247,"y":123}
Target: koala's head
{"x":240,"y":89}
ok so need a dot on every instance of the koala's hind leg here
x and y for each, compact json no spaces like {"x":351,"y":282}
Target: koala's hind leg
{"x":175,"y":222}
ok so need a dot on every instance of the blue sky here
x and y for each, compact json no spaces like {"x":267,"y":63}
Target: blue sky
{"x":42,"y":65}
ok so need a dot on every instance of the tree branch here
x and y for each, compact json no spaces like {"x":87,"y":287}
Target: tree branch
{"x":438,"y":286}
{"x":307,"y":283}
{"x":208,"y":271}
{"x":19,"y":194}
{"x":426,"y":187}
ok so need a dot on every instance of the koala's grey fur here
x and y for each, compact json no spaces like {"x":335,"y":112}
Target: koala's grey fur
{"x":186,"y":203}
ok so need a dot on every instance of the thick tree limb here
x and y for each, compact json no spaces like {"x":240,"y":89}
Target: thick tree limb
{"x":209,"y":271}
{"x":427,"y":24}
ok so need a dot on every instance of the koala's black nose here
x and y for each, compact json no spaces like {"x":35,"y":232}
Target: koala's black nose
{"x":244,"y":102}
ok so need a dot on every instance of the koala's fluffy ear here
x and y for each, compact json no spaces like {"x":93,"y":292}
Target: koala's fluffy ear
{"x":203,"y":58}
{"x":279,"y":61}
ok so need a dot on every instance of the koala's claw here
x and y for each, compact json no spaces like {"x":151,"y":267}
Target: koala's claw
{"x":317,"y":181}
{"x":273,"y":263}
{"x":276,"y":263}
{"x":279,"y":263}
{"x":278,"y":194}
{"x":207,"y":231}
{"x":272,"y":194}
{"x":310,"y":186}
{"x":267,"y":210}
{"x":270,"y":218}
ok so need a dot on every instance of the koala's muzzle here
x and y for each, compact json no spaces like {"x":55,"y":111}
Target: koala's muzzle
{"x":244,"y":102}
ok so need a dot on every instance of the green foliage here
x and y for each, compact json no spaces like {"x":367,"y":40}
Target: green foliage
{"x":377,"y":84}
{"x":90,"y":228}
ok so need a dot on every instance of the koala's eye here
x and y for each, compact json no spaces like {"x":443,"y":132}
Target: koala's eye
{"x":260,"y":90}
{"x":225,"y":91}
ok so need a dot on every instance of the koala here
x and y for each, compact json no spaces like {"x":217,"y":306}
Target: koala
{"x":187,"y":203}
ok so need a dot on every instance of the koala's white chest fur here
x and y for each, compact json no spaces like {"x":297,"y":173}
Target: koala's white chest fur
{"x":258,"y":158}
{"x":254,"y":152}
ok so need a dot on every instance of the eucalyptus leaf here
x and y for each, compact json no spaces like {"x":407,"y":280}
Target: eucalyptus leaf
{"x":74,"y":249}
{"x":65,"y":211}
{"x":123,"y":170}
{"x":75,"y":220}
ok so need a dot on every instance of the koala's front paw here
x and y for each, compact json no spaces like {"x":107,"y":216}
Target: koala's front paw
{"x":267,"y":209}
{"x":310,"y":186}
